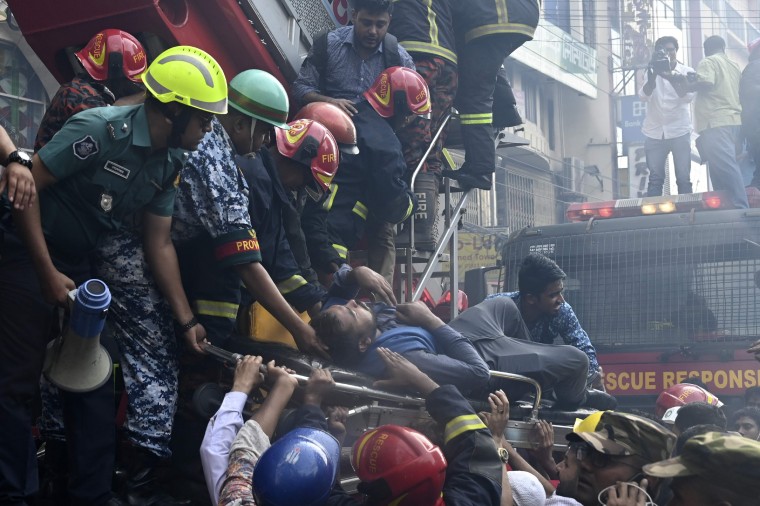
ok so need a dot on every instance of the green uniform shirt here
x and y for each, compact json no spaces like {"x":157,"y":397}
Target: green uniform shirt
{"x":720,"y":106}
{"x":105,"y":174}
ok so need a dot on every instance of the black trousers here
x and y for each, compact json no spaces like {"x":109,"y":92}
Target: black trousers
{"x":501,"y":337}
{"x":479,"y":62}
{"x":26,"y":326}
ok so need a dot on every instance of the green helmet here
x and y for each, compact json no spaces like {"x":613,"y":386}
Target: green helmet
{"x":259,"y":94}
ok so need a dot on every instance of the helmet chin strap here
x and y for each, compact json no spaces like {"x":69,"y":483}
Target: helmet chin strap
{"x":251,"y":151}
{"x":179,"y":124}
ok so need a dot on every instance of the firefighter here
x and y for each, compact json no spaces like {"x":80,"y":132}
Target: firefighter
{"x":372,"y":182}
{"x":112,"y":61}
{"x":425,"y":30}
{"x":104,"y":166}
{"x":482,"y":45}
{"x":272,"y":203}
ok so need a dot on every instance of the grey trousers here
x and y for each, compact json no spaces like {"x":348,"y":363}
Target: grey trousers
{"x":501,"y":337}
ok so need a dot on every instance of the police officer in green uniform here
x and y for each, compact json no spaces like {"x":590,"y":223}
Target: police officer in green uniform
{"x":105,"y":167}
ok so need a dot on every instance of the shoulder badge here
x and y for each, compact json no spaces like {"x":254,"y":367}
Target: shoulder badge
{"x":85,"y":147}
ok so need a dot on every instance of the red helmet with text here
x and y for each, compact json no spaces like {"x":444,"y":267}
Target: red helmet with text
{"x":337,"y":122}
{"x":399,"y":466}
{"x":399,"y":90}
{"x":311,"y":143}
{"x":682,"y":394}
{"x":112,"y":54}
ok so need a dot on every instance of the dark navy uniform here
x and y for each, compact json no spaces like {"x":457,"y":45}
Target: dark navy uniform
{"x":371,"y":182}
{"x":268,"y":201}
{"x":487,"y":31}
{"x":106,"y":172}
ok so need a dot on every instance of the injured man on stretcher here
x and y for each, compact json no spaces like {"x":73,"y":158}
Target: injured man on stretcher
{"x":490,"y":335}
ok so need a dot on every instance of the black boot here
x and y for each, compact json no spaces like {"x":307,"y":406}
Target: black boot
{"x":147,"y":479}
{"x":426,"y":216}
{"x":596,"y":399}
{"x":469,"y":181}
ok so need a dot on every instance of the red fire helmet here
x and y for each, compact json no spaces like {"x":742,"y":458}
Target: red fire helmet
{"x":311,"y":143}
{"x":398,"y":465}
{"x":96,"y":56}
{"x":399,"y":90}
{"x":337,"y":122}
{"x":682,"y":394}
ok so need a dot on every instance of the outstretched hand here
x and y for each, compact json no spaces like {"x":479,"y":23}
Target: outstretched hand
{"x":402,"y":373}
{"x":308,"y":342}
{"x":280,"y":374}
{"x":20,"y":183}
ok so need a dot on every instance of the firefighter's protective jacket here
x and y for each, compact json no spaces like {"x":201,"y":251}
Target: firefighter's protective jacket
{"x":424,"y":27}
{"x":370,"y":182}
{"x":267,"y":201}
{"x":478,"y":18}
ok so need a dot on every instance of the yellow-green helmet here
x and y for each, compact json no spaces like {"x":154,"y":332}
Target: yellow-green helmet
{"x":259,"y":94}
{"x":190,"y":76}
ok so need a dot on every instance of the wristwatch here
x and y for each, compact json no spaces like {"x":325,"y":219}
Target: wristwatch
{"x":504,"y":455}
{"x":21,"y":157}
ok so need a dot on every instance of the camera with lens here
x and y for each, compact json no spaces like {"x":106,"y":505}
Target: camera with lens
{"x":660,"y":63}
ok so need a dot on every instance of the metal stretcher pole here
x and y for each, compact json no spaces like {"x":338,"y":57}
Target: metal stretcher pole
{"x":233,"y":358}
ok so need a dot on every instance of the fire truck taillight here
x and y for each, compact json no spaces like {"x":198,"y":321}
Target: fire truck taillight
{"x":647,"y":206}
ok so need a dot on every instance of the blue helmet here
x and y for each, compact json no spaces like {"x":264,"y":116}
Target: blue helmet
{"x":299,"y":469}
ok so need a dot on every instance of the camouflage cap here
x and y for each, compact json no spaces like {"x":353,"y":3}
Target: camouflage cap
{"x":626,"y":434}
{"x":728,"y":459}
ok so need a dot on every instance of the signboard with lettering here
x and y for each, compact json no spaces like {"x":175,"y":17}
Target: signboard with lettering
{"x":729,"y":378}
{"x":555,"y":53}
{"x":638,"y":171}
{"x":476,"y":250}
{"x":632,"y":113}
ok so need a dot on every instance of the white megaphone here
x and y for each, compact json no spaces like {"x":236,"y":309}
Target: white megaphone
{"x":75,"y":361}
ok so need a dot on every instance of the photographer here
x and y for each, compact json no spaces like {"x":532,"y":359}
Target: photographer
{"x":667,"y":125}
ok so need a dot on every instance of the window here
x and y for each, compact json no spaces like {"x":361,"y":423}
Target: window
{"x":22,"y":97}
{"x":589,"y":23}
{"x":515,"y":203}
{"x":557,"y":12}
{"x":530,"y":89}
{"x":550,"y":135}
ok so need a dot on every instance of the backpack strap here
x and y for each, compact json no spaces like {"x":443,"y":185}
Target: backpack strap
{"x":318,"y":56}
{"x":390,"y":51}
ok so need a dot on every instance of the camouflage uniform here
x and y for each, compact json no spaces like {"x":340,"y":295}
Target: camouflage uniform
{"x":625,"y":434}
{"x":727,"y":460}
{"x":73,"y":97}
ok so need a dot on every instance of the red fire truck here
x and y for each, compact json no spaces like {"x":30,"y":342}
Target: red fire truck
{"x":667,"y":288}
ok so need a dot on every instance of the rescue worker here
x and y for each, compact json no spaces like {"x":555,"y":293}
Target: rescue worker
{"x":425,"y":30}
{"x":372,"y":182}
{"x":212,"y":210}
{"x":340,"y":125}
{"x":112,"y":61}
{"x":104,"y":166}
{"x":271,"y":203}
{"x":340,"y":67}
{"x":487,"y":31}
